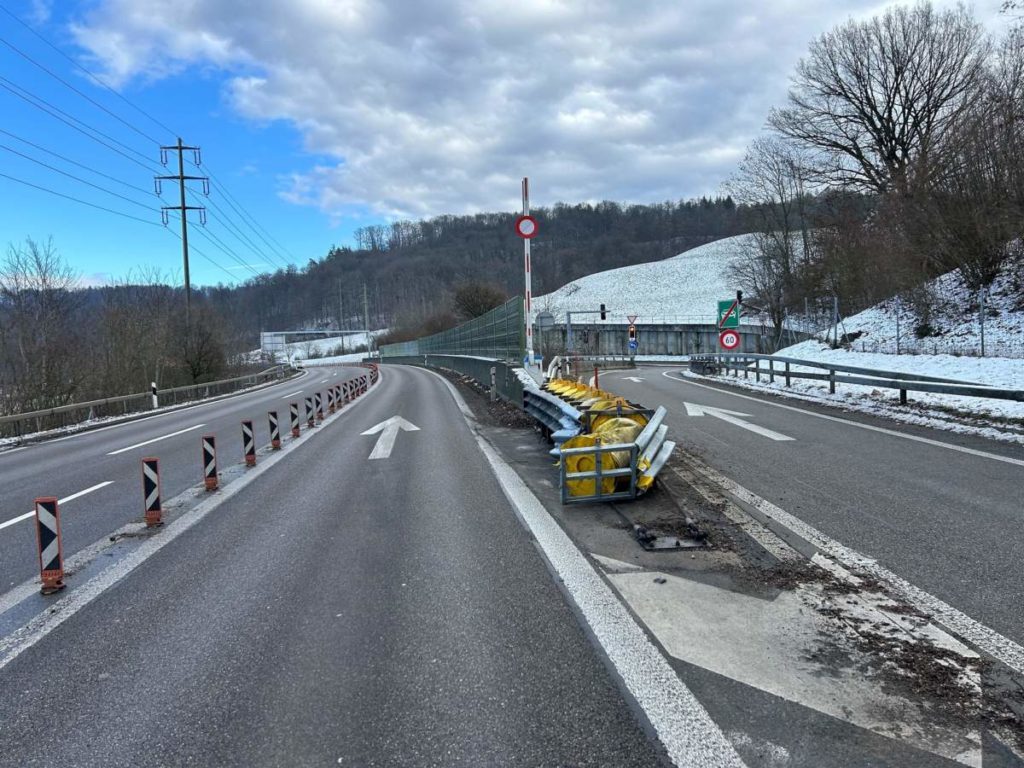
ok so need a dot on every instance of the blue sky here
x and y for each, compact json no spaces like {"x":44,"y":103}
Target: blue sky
{"x":320,"y":116}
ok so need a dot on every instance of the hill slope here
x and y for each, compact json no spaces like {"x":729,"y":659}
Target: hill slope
{"x":683,"y":288}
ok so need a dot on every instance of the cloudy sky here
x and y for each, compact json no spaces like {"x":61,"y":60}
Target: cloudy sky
{"x":319,"y":116}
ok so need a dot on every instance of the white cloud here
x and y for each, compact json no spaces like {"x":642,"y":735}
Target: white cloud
{"x":441,"y":106}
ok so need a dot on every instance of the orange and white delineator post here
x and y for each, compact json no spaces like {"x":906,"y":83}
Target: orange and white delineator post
{"x":51,"y":546}
{"x":151,"y":491}
{"x":275,"y":431}
{"x":210,"y":462}
{"x":248,"y":443}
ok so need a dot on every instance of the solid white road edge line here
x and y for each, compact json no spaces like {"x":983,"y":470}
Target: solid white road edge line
{"x":63,"y":609}
{"x":66,"y":499}
{"x":850,"y":423}
{"x":155,"y":440}
{"x":689,"y":735}
{"x":990,"y":641}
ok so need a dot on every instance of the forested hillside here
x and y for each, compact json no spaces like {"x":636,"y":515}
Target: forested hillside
{"x":410,"y":269}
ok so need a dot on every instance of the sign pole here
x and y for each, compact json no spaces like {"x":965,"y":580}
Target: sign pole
{"x":527,"y":301}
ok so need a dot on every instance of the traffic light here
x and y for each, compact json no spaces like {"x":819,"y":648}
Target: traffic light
{"x":739,"y":297}
{"x":632,"y":333}
{"x":603,"y":312}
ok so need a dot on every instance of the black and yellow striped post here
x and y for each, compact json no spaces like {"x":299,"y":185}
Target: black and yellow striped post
{"x":151,"y":491}
{"x":210,"y":462}
{"x":293,"y":411}
{"x":51,"y":547}
{"x":275,"y":432}
{"x":248,"y":443}
{"x":310,"y":418}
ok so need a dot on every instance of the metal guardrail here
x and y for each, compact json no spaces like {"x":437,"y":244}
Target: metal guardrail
{"x":507,"y":384}
{"x":59,"y":416}
{"x":558,"y":419}
{"x":899,"y":380}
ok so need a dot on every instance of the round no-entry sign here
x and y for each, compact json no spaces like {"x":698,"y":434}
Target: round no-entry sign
{"x":729,"y":339}
{"x":526,"y":227}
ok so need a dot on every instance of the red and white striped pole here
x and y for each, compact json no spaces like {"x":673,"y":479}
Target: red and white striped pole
{"x":528,"y":298}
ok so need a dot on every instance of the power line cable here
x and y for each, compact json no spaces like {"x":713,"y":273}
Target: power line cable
{"x":76,"y":178}
{"x":75,"y":162}
{"x":64,"y":82}
{"x":228,"y":251}
{"x":92,"y":75}
{"x":50,"y":110}
{"x":77,"y":200}
{"x":255,"y":224}
{"x":226,"y":220}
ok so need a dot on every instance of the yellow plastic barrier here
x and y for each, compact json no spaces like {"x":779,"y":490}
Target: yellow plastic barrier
{"x":613,"y":431}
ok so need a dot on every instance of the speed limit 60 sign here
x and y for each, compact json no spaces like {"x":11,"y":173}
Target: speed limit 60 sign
{"x":729,"y":340}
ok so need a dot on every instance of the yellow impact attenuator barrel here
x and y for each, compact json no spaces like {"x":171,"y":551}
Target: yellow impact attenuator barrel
{"x":612,"y":432}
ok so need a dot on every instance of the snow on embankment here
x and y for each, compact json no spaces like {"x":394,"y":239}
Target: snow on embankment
{"x":955,"y":319}
{"x":683,"y":288}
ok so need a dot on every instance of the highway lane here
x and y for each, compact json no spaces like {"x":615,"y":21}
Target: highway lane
{"x":337,"y":611}
{"x":946,"y":520}
{"x":67,"y":466}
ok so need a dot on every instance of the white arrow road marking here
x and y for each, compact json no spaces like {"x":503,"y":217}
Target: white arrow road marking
{"x":66,"y":499}
{"x":155,"y":439}
{"x":633,"y":378}
{"x":735,"y":418}
{"x":389,"y":431}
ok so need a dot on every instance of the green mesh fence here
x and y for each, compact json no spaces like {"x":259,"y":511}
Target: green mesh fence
{"x":497,"y":334}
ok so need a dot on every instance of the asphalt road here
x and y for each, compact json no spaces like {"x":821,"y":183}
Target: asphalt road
{"x":67,"y":466}
{"x":336,"y":611}
{"x":945,"y":520}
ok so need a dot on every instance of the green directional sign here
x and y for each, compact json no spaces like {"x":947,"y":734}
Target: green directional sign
{"x":728,"y":314}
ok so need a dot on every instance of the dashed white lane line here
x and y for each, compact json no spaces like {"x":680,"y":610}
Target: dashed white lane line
{"x":155,"y":440}
{"x":66,"y":607}
{"x":859,"y":425}
{"x":293,"y":394}
{"x":72,"y":497}
{"x":690,"y":737}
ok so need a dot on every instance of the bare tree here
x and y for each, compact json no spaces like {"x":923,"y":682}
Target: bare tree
{"x":875,"y":98}
{"x":974,"y":210}
{"x":472,"y":299}
{"x":772,"y":181}
{"x":44,"y":358}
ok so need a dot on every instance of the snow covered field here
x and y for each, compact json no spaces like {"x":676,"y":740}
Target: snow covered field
{"x":683,"y":288}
